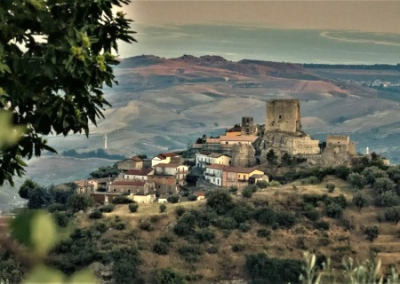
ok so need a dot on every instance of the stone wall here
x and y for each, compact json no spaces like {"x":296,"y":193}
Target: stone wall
{"x":283,"y":116}
{"x":248,"y":126}
{"x":243,"y":155}
{"x":130,"y":164}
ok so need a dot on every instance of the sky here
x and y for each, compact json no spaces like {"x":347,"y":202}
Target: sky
{"x":377,"y":16}
{"x":359,"y":32}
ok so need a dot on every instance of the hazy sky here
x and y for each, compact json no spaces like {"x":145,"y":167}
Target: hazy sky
{"x":377,"y":16}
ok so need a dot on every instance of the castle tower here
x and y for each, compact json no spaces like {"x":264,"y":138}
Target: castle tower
{"x":248,"y":126}
{"x":283,"y":116}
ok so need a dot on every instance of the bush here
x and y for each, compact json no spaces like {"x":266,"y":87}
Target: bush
{"x":225,"y":223}
{"x":311,"y":180}
{"x":373,"y":173}
{"x":263,"y":269}
{"x":322,"y":225}
{"x":274,"y":183}
{"x":55,"y":207}
{"x":133,"y":207}
{"x":286,"y":219}
{"x":168,"y":276}
{"x":357,"y":181}
{"x":96,"y":215}
{"x":101,"y":227}
{"x":107,"y":208}
{"x":174,"y":198}
{"x":387,"y":199}
{"x":219,"y":200}
{"x":190,"y":250}
{"x":120,"y":226}
{"x":145,"y":225}
{"x":192,"y":197}
{"x":161,"y":248}
{"x":185,"y":225}
{"x":238,"y":247}
{"x":212,"y":250}
{"x":342,"y":172}
{"x":261,"y":184}
{"x":247,"y":192}
{"x":233,"y":189}
{"x":78,"y":202}
{"x":121,"y":200}
{"x":334,"y":210}
{"x":61,"y":218}
{"x":265,"y":216}
{"x":205,"y":235}
{"x":383,"y":185}
{"x":163,"y":208}
{"x":360,"y":201}
{"x":180,"y":210}
{"x":392,"y":214}
{"x":264,"y":233}
{"x":312,"y":215}
{"x":331,"y":187}
{"x":372,"y":232}
{"x":244,"y":227}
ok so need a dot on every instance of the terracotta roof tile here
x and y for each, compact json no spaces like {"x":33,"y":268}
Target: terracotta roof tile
{"x":169,"y":165}
{"x":249,"y":138}
{"x":133,"y":183}
{"x":143,"y":172}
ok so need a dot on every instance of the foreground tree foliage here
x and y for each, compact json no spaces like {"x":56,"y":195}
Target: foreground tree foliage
{"x":55,"y":57}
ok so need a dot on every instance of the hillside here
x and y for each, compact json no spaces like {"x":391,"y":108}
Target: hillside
{"x":163,"y":104}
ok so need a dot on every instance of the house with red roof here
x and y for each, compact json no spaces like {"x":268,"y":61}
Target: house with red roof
{"x":164,"y":158}
{"x":131,"y":186}
{"x":136,"y":174}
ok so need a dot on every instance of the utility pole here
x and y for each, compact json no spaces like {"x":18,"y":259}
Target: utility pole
{"x":105,"y":141}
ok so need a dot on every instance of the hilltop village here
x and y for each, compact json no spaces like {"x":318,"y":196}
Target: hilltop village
{"x":244,"y":155}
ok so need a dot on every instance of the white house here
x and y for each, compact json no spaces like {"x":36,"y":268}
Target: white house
{"x":163,"y":158}
{"x":206,"y":158}
{"x":213,"y":174}
{"x":179,"y":171}
{"x":136,"y":174}
{"x":230,"y":140}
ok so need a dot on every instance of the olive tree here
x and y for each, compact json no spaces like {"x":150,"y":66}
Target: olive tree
{"x":55,"y":57}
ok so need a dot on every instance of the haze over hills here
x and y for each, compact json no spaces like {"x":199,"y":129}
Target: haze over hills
{"x":163,"y":104}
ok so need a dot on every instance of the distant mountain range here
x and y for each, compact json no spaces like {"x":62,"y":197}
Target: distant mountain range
{"x":163,"y":104}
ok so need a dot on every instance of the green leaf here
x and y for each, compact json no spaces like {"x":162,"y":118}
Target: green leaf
{"x":44,"y":274}
{"x":84,"y":276}
{"x":44,"y":233}
{"x":20,"y":228}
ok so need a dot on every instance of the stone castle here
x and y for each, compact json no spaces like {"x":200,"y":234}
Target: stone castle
{"x":283,"y":134}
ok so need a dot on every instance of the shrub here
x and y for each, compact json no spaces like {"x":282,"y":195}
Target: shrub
{"x":192,"y":197}
{"x":225,"y":223}
{"x":340,"y":200}
{"x":101,"y":227}
{"x":185,"y":225}
{"x":190,"y":250}
{"x":107,"y":208}
{"x":220,"y":200}
{"x":55,"y":207}
{"x":168,"y":276}
{"x":342,"y":172}
{"x":392,"y":214}
{"x":312,"y":215}
{"x":274,"y":183}
{"x":383,"y":184}
{"x":360,"y":201}
{"x":331,"y":187}
{"x":322,"y":225}
{"x":233,"y":189}
{"x":174,"y":198}
{"x":387,"y":199}
{"x":242,"y":213}
{"x":314,"y":199}
{"x":61,"y":218}
{"x":168,"y":238}
{"x":261,"y":184}
{"x":119,"y":226}
{"x":247,"y":192}
{"x":334,"y":210}
{"x":180,"y":210}
{"x":78,"y":202}
{"x":300,"y":244}
{"x":212,"y":250}
{"x":372,"y":232}
{"x":145,"y":225}
{"x":373,"y":173}
{"x":238,"y":247}
{"x":163,"y":208}
{"x":311,"y":180}
{"x":263,"y":269}
{"x":204,"y":235}
{"x":244,"y":227}
{"x":286,"y":219}
{"x":133,"y":207}
{"x":356,"y":180}
{"x":96,"y":215}
{"x":121,"y":200}
{"x":161,"y":248}
{"x":265,"y":216}
{"x":263,"y":233}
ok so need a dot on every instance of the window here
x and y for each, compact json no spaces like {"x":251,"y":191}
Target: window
{"x":129,"y":191}
{"x":280,"y":116}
